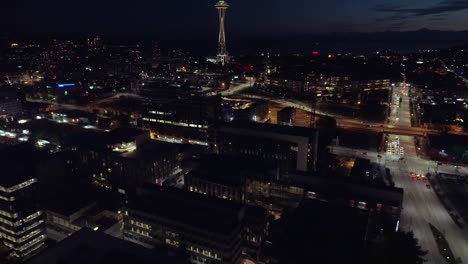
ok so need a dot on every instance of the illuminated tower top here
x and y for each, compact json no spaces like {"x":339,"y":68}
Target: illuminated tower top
{"x":222,"y":6}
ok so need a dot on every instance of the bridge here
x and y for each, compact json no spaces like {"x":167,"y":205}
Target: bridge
{"x":350,"y":123}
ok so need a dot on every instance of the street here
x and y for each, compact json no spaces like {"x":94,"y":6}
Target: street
{"x":234,"y":89}
{"x":421,"y":205}
{"x":402,"y":125}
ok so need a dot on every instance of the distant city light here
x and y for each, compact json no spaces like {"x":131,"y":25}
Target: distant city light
{"x":23,"y":139}
{"x":42,"y":143}
{"x":64,"y":85}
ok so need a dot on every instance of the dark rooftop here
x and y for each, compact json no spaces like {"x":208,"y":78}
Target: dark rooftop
{"x":190,"y":209}
{"x":14,"y":172}
{"x":150,"y":150}
{"x":99,"y":140}
{"x":360,"y":167}
{"x":87,"y":246}
{"x":228,"y":170}
{"x":69,"y":201}
{"x":17,"y":163}
{"x":350,"y":188}
{"x":287,"y":110}
{"x":320,"y":232}
{"x":270,"y":128}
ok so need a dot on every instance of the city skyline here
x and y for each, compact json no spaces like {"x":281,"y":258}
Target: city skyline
{"x":234,"y":132}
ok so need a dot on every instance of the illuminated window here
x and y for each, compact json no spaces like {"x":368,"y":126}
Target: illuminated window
{"x":174,"y":243}
{"x":311,"y":195}
{"x":362,"y":205}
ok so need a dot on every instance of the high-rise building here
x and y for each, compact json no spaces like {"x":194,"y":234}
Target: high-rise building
{"x":222,"y":6}
{"x":21,"y":220}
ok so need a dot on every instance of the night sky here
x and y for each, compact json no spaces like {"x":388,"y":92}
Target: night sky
{"x":245,"y":17}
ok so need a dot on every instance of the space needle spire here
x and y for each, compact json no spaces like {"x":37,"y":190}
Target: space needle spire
{"x":222,"y":6}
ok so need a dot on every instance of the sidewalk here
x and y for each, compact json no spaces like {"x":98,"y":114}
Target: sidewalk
{"x":451,"y":208}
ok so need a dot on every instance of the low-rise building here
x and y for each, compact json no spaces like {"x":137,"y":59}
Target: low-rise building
{"x":68,"y":212}
{"x":121,"y":159}
{"x":369,"y":85}
{"x":287,"y":82}
{"x":208,"y":230}
{"x":222,"y":176}
{"x":91,"y":247}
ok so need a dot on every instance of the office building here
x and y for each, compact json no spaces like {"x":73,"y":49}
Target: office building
{"x":286,"y":83}
{"x":369,"y":85}
{"x":151,"y":162}
{"x":273,"y":195}
{"x":286,"y":148}
{"x":276,"y":195}
{"x":207,"y":229}
{"x":90,"y":247}
{"x":21,"y":219}
{"x":223,"y":176}
{"x":68,"y":211}
{"x":182,"y":117}
{"x":120,"y":159}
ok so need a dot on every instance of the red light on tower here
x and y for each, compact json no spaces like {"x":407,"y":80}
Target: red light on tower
{"x":315,"y":53}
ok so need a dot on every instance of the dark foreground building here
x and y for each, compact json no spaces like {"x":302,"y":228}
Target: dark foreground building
{"x":285,"y":148}
{"x":87,"y":246}
{"x":205,"y":229}
{"x":319,"y":232}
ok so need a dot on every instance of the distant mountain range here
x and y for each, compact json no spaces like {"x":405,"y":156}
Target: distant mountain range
{"x":404,"y":41}
{"x":422,"y":34}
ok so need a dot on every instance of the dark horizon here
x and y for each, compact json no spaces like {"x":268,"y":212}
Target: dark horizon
{"x":247,"y":44}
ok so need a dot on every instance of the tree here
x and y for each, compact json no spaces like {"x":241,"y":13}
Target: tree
{"x":404,"y":248}
{"x":399,"y":247}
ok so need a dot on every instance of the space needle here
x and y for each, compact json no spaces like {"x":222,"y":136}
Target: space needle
{"x":223,"y":57}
